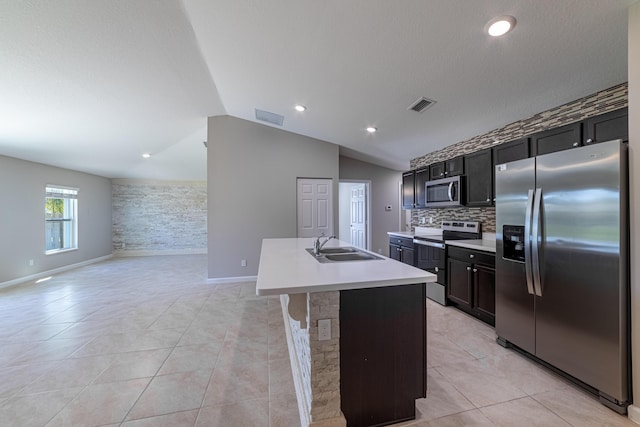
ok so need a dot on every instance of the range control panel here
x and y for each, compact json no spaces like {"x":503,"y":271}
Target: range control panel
{"x":466,"y":226}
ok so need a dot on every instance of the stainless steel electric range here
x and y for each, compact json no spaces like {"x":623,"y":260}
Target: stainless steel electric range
{"x":431,"y":254}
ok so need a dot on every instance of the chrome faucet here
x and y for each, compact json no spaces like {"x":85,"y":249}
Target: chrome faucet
{"x":317,"y":245}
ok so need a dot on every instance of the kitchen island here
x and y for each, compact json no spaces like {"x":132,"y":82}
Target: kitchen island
{"x":367,"y":363}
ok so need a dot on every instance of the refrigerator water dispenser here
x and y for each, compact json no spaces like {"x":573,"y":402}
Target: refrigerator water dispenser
{"x":513,"y":238}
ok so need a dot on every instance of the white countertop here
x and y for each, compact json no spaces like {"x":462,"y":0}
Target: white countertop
{"x":401,"y":233}
{"x":487,"y":243}
{"x":480,"y":244}
{"x":419,"y":231}
{"x":287,"y":268}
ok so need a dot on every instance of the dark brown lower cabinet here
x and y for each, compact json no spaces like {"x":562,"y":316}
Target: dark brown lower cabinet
{"x":382,"y":353}
{"x":471,"y":282}
{"x":460,"y":284}
{"x":485,"y":291}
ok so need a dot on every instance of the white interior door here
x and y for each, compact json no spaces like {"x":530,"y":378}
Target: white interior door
{"x":315,"y":207}
{"x":358,"y":225}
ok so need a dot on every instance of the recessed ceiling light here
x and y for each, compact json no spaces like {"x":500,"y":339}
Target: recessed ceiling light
{"x":300,"y":108}
{"x":146,"y":155}
{"x":500,"y":25}
{"x":371,"y":129}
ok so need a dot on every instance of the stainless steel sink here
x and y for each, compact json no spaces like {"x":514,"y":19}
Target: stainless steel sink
{"x":343,"y":250}
{"x":330,"y":255}
{"x":358,"y":256}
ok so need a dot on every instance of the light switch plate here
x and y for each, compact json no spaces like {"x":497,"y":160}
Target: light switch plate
{"x":324,"y":329}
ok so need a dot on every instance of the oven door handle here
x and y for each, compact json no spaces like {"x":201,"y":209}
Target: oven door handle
{"x":432,"y":244}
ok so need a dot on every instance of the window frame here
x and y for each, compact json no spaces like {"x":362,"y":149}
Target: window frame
{"x":70,"y":195}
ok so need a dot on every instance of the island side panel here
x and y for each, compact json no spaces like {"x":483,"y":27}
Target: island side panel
{"x":316,"y":364}
{"x":382,"y":353}
{"x":300,"y":357}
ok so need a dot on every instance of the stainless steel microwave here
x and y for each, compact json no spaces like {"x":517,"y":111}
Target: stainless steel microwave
{"x":445,"y":192}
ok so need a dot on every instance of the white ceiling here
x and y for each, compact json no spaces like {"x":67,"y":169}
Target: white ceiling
{"x":92,"y":85}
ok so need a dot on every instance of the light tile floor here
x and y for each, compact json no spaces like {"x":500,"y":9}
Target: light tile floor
{"x":147,"y":342}
{"x":143,"y":342}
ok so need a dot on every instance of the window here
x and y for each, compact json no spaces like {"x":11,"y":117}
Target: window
{"x":61,"y":219}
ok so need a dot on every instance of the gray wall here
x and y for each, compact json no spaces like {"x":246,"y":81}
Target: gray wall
{"x":159,"y":217}
{"x":384,"y":191}
{"x":252,"y":172}
{"x":22,"y":217}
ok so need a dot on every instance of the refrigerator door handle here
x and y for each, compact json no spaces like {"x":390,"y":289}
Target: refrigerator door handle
{"x":535,"y":244}
{"x":527,"y":242}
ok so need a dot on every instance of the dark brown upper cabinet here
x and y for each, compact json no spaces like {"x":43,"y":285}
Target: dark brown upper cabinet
{"x":556,"y":139}
{"x":479,"y":167}
{"x":421,"y":178}
{"x":510,"y":151}
{"x":413,"y":188}
{"x":408,"y":180}
{"x":608,"y":126}
{"x":447,"y":168}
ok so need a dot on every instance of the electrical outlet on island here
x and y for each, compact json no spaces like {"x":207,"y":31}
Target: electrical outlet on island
{"x":324,"y":329}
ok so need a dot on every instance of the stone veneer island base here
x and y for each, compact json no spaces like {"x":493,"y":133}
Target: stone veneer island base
{"x":373,"y":368}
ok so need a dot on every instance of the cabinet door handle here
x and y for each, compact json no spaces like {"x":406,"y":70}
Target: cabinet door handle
{"x":488,"y":200}
{"x":472,"y":256}
{"x":436,"y":269}
{"x":475,"y":270}
{"x":468,"y":268}
{"x":589,"y":141}
{"x":575,"y":144}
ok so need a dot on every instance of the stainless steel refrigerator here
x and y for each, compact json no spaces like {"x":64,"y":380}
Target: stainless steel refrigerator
{"x":562,"y":281}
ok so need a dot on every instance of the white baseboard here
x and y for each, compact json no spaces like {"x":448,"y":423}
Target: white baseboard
{"x":634,"y":413}
{"x":125,"y":253}
{"x":236,"y":279}
{"x":52,"y":272}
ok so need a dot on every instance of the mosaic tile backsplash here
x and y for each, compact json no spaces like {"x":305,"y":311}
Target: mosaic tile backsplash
{"x":598,"y":103}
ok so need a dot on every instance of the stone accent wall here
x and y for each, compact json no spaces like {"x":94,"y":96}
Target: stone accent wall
{"x":318,"y":361}
{"x":325,"y":356}
{"x":156,"y":217}
{"x":598,"y":103}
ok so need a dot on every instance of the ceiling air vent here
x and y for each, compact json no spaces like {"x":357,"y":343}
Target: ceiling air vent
{"x":421,"y":104}
{"x":273,"y":118}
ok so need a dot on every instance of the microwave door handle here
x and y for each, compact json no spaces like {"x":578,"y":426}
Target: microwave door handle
{"x":450,"y":192}
{"x":527,"y":242}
